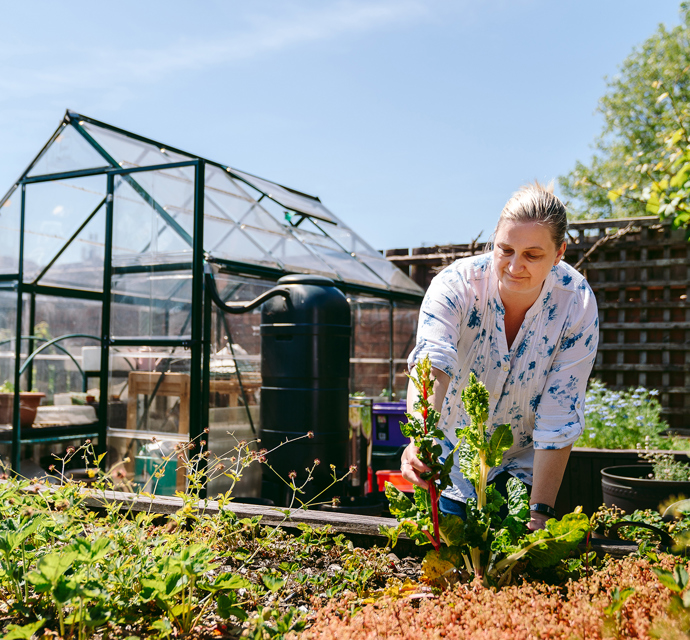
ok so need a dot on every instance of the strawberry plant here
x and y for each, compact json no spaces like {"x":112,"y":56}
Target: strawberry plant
{"x":484,"y":545}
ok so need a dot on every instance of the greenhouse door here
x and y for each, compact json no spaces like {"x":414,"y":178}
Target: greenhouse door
{"x":153,"y":318}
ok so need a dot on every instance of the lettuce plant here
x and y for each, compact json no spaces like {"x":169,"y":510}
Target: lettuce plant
{"x":483,"y":545}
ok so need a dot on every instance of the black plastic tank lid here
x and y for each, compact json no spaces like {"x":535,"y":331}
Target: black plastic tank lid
{"x":299,"y":278}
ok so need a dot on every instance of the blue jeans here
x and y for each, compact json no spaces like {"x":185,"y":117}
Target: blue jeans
{"x":449,"y":506}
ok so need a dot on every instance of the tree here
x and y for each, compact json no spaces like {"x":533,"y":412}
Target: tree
{"x":645,"y":137}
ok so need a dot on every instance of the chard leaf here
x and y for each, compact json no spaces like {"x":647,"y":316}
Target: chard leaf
{"x":441,"y":564}
{"x":476,"y":526}
{"x":518,"y":499}
{"x":412,"y":520}
{"x":501,"y":440}
{"x":546,"y":547}
{"x":468,"y":460}
{"x":400,"y":504}
{"x":452,"y":530}
{"x":515,"y":524}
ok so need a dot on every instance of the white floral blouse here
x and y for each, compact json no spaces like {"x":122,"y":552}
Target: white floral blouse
{"x":538,"y":386}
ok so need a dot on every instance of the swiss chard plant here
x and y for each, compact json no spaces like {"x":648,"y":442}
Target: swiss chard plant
{"x":484,"y":544}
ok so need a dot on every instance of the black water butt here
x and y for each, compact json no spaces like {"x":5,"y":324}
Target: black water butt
{"x":305,"y":367}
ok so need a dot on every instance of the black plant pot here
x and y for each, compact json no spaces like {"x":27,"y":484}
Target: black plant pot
{"x":630,"y":488}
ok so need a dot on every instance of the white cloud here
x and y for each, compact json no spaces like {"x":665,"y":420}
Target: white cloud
{"x":77,"y":67}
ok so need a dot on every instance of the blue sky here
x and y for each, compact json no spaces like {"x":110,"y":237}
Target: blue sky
{"x":413,"y":120}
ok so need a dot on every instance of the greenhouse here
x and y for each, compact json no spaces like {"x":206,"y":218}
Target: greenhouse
{"x":106,"y":313}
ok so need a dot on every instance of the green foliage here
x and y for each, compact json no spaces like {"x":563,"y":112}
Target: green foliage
{"x":483,"y":544}
{"x":79,"y":574}
{"x":646,"y":121}
{"x":665,"y":466}
{"x":624,"y":420}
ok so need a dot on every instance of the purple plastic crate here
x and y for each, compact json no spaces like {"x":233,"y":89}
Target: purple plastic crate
{"x":387,"y":417}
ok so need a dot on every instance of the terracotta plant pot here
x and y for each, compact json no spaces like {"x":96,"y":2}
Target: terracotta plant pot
{"x":28,"y":405}
{"x":630,"y":488}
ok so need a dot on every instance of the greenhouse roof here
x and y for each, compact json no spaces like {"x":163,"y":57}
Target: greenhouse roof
{"x":251,"y":224}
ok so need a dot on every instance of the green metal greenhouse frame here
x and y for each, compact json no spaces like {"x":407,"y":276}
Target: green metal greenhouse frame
{"x":371,"y":275}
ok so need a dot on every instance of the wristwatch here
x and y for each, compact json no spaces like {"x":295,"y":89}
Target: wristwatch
{"x":539,"y":507}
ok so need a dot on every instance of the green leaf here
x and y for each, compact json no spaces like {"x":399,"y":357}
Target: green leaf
{"x":618,"y":599}
{"x":518,"y":498}
{"x":23,"y":632}
{"x":54,"y":565}
{"x":452,"y":530}
{"x":227,"y":606}
{"x":501,"y":440}
{"x":680,"y":575}
{"x":392,"y":533}
{"x":229,"y":580}
{"x":441,"y":564}
{"x":399,"y":502}
{"x":546,"y":547}
{"x":273,"y":583}
{"x":163,"y":626}
{"x":666,"y":578}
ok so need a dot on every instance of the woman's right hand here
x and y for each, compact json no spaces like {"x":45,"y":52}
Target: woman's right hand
{"x":411,"y":466}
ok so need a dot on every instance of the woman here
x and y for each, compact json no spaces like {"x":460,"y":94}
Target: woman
{"x":526,"y":324}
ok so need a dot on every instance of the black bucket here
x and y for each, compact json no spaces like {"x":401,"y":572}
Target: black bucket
{"x":630,"y":488}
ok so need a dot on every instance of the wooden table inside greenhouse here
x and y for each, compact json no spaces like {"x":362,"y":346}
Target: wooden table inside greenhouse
{"x":178,"y":385}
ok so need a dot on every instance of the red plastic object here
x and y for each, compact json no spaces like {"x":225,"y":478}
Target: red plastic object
{"x":395,"y":478}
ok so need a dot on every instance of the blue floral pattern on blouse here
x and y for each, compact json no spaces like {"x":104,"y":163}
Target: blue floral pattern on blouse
{"x":537,"y":386}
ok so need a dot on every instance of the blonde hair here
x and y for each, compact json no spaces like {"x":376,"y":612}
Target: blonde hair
{"x":535,"y":202}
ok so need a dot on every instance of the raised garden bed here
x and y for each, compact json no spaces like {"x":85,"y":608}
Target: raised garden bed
{"x":301,"y":569}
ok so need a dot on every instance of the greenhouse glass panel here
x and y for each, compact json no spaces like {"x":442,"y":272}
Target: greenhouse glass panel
{"x":218,"y":179}
{"x":69,"y":151}
{"x":288,"y":198}
{"x":370,"y":378}
{"x":56,"y":370}
{"x":130,"y":152}
{"x":153,"y":217}
{"x":80,"y":265}
{"x":371,"y":321}
{"x":225,"y":240}
{"x":54,"y":212}
{"x":259,"y":218}
{"x":10,"y":221}
{"x":235,"y":382}
{"x":290,"y":253}
{"x":8,"y":331}
{"x":226,"y":205}
{"x":348,"y":240}
{"x":152,"y":303}
{"x":390,"y":274}
{"x":149,"y":414}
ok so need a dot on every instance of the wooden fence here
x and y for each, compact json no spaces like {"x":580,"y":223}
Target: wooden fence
{"x":639,"y":270}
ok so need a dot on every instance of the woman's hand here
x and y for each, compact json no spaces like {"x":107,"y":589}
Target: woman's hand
{"x":537,"y":521}
{"x":411,"y":466}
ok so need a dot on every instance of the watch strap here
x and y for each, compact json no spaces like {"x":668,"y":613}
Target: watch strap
{"x":539,"y":507}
